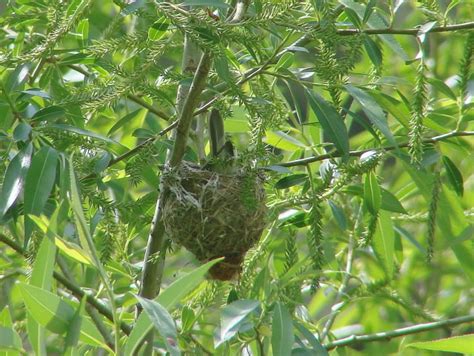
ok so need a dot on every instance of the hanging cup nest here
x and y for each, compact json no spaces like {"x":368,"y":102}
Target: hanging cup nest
{"x":214,"y":215}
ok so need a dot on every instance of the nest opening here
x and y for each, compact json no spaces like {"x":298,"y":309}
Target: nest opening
{"x":214,"y":215}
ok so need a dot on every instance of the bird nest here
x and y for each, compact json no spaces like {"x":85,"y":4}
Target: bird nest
{"x":214,"y":215}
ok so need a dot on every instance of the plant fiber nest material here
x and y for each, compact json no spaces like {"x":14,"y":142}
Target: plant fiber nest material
{"x":214,"y":215}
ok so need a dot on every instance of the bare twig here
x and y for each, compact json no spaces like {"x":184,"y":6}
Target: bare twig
{"x":305,"y":161}
{"x":411,"y":31}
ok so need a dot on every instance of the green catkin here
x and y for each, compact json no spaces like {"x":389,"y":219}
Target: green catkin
{"x":417,"y":115}
{"x":315,"y":239}
{"x":292,"y":291}
{"x":367,"y":237}
{"x":464,"y":75}
{"x":432,"y":215}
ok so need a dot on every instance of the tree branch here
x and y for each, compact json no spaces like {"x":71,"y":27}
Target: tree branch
{"x":412,"y":31}
{"x":387,"y":335}
{"x":74,"y":289}
{"x":305,"y":161}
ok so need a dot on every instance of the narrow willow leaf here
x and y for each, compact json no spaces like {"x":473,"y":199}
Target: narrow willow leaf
{"x":214,"y":3}
{"x":74,"y":330}
{"x":38,"y":185}
{"x":82,"y":132}
{"x":330,"y":121}
{"x":384,"y":243}
{"x":42,"y":277}
{"x":163,"y":323}
{"x":290,"y":181}
{"x":22,"y":132}
{"x":282,"y":330}
{"x":454,"y":176}
{"x":283,"y":141}
{"x":373,"y":111}
{"x":158,"y":29}
{"x":372,"y":193}
{"x":233,"y":317}
{"x":463,"y":344}
{"x":373,"y":50}
{"x":55,"y":314}
{"x":10,"y":340}
{"x":169,"y":298}
{"x":318,"y":349}
{"x":15,"y":178}
{"x":50,"y":114}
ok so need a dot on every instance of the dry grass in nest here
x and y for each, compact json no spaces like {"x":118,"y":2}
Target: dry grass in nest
{"x":214,"y":215}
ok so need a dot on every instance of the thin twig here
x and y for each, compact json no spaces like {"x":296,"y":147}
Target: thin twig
{"x":411,"y":31}
{"x":305,"y":161}
{"x":387,"y":335}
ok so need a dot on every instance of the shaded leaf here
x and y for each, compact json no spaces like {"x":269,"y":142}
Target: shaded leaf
{"x":330,"y":121}
{"x":372,"y":194}
{"x":454,"y":176}
{"x":50,"y":114}
{"x":373,"y":111}
{"x":290,"y":181}
{"x":233,"y":316}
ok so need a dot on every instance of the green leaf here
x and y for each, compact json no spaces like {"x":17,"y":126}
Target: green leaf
{"x":338,"y":214}
{"x":82,"y":132}
{"x":22,"y":132}
{"x":395,"y":107}
{"x":384,"y":243}
{"x":442,"y":87}
{"x":9,"y":339}
{"x":463,"y":344}
{"x":290,"y":181}
{"x":42,"y":277}
{"x":373,"y":111}
{"x":158,"y":29}
{"x":168,"y":298}
{"x":55,"y":315}
{"x":139,"y":113}
{"x":389,"y":201}
{"x":330,"y":121}
{"x":317,"y":347}
{"x":74,"y":330}
{"x":282,"y":330}
{"x":233,"y":317}
{"x":373,"y":50}
{"x":163,"y":323}
{"x":282,"y":141}
{"x":15,"y":178}
{"x":454,"y":176}
{"x":50,"y":114}
{"x":372,"y":194}
{"x":38,"y":185}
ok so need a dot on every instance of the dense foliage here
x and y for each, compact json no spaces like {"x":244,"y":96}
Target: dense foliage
{"x":359,"y":114}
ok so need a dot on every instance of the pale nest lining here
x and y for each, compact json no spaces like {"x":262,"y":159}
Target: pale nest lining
{"x":214,"y":215}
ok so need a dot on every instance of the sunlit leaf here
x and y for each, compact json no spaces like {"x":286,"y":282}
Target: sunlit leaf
{"x":463,"y":344}
{"x":282,"y":330}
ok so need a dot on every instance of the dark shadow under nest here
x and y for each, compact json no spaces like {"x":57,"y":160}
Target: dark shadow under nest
{"x":214,"y":215}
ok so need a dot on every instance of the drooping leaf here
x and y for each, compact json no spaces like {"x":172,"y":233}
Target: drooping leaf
{"x":290,"y":181}
{"x":282,"y":330}
{"x":384,"y":242}
{"x":330,"y":121}
{"x":373,"y":111}
{"x":9,"y":339}
{"x":233,"y":317}
{"x":372,"y":193}
{"x":163,"y":323}
{"x":38,"y":185}
{"x":15,"y":178}
{"x":454,"y":176}
{"x":50,"y":114}
{"x":74,"y":330}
